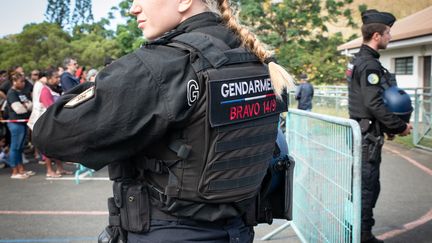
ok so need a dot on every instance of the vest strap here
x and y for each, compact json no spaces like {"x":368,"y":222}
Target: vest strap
{"x":236,"y":183}
{"x":245,"y":142}
{"x":202,"y":43}
{"x":235,"y":58}
{"x":229,"y":57}
{"x":182,"y":150}
{"x":238,"y":163}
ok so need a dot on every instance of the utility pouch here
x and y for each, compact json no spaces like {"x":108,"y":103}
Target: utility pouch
{"x":134,"y":207}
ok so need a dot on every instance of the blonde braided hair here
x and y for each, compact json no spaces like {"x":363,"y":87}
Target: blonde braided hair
{"x":280,"y":78}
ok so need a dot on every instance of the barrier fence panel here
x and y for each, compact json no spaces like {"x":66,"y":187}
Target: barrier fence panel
{"x":422,"y":132}
{"x":327,"y":176}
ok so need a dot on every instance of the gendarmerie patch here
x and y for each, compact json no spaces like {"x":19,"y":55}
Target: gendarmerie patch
{"x":242,"y":99}
{"x":81,"y":98}
{"x":372,"y":77}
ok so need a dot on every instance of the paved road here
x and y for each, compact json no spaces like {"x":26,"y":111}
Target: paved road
{"x":40,"y":210}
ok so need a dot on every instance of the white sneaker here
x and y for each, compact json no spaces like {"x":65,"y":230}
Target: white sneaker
{"x":19,"y":176}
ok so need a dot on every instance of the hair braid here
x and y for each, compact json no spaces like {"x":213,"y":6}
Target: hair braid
{"x":248,"y":38}
{"x":280,"y":78}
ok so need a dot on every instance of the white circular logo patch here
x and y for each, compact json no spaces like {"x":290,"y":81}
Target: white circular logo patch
{"x":192,"y":92}
{"x":373,"y":78}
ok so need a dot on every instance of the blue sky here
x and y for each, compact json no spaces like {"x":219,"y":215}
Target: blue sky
{"x":15,"y":14}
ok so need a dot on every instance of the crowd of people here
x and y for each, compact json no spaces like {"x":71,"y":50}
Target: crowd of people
{"x":23,"y":100}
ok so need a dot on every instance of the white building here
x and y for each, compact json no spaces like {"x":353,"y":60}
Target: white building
{"x":408,"y":55}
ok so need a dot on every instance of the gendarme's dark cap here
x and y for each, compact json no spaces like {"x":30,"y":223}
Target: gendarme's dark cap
{"x":373,"y":16}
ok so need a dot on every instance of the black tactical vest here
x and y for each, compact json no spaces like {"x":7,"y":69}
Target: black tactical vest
{"x":212,"y":167}
{"x":355,"y":97}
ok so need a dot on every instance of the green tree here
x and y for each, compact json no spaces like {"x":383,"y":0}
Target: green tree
{"x":44,"y":45}
{"x":82,"y":12}
{"x":90,"y":49}
{"x":297,"y":31}
{"x":128,"y":36}
{"x":59,"y":12}
{"x":37,"y":46}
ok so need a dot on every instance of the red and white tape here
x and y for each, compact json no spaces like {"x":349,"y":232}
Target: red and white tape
{"x":16,"y":120}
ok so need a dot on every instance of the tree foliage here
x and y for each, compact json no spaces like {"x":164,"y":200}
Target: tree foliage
{"x":128,"y":36}
{"x":38,"y":46}
{"x":82,"y":12}
{"x":46,"y":44}
{"x":59,"y":12}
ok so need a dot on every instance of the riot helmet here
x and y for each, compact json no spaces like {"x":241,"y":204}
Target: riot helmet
{"x":398,"y":102}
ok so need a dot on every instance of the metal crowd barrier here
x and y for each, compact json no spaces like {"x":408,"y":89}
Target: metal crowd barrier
{"x":327,"y":177}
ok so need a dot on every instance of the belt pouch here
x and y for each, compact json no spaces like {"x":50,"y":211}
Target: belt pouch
{"x":135,"y":210}
{"x":288,"y":188}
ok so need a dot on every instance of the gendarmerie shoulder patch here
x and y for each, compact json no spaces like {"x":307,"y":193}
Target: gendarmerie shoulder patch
{"x":81,"y":98}
{"x":372,"y":77}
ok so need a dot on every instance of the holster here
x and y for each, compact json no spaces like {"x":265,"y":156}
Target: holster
{"x":276,"y":204}
{"x":371,"y":144}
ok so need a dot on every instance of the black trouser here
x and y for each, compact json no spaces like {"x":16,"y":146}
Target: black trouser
{"x":166,"y":231}
{"x":370,"y":187}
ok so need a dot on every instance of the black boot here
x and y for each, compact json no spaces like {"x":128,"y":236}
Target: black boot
{"x":368,"y":237}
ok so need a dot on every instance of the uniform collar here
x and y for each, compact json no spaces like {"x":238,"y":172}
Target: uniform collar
{"x":199,"y":20}
{"x":367,"y":50}
{"x":190,"y":24}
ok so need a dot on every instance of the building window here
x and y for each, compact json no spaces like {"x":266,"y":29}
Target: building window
{"x":404,"y":66}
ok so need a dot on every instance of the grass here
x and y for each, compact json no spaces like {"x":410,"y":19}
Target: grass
{"x":426,"y":142}
{"x":406,"y":141}
{"x":331,"y":111}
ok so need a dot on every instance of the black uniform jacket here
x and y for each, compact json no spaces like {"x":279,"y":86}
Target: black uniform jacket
{"x":365,"y":92}
{"x":135,"y":101}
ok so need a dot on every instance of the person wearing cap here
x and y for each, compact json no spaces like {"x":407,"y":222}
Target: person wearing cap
{"x":304,"y":93}
{"x":367,"y":80}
